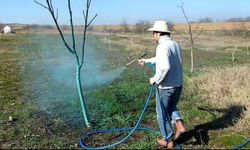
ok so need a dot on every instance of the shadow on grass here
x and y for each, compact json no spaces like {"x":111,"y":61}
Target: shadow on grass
{"x":199,"y":134}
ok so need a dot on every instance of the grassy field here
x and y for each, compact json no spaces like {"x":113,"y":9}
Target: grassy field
{"x":215,"y":101}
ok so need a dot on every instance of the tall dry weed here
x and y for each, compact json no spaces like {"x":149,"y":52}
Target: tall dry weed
{"x":225,"y":87}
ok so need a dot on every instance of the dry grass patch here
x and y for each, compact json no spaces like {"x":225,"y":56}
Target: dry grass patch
{"x":225,"y":87}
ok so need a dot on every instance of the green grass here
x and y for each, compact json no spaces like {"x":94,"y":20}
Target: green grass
{"x":229,"y":140}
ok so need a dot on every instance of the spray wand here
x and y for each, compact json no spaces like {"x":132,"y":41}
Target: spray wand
{"x":139,"y":57}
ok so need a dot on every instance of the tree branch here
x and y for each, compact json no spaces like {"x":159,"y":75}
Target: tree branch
{"x":182,"y":36}
{"x":51,"y":10}
{"x":184,"y":13}
{"x":197,"y":26}
{"x":72,"y":27}
{"x":198,"y":34}
{"x":84,"y":16}
{"x":86,"y":25}
{"x":49,"y":2}
{"x":92,"y":19}
{"x":56,"y":13}
{"x":41,"y":5}
{"x":189,"y":24}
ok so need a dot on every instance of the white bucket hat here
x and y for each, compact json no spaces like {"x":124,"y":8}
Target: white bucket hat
{"x":160,"y":26}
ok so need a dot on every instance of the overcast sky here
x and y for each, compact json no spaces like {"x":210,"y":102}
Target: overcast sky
{"x":115,"y":11}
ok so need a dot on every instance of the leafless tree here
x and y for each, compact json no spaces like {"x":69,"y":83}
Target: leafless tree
{"x":124,"y":26}
{"x":236,"y":36}
{"x":245,"y":36}
{"x":235,"y":48}
{"x":193,"y":35}
{"x":79,"y":55}
{"x":1,"y":26}
{"x":1,"y":30}
{"x":240,"y":32}
{"x":142,"y":26}
{"x":171,"y":26}
{"x":206,"y":20}
{"x":246,"y":39}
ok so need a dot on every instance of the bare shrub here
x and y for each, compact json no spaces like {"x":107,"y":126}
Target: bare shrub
{"x":142,"y":26}
{"x":124,"y":26}
{"x":206,"y":20}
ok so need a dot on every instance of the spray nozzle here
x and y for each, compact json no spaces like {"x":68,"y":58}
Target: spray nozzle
{"x":139,"y":57}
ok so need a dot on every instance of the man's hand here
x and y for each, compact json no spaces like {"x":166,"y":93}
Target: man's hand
{"x":141,"y":62}
{"x":152,"y":81}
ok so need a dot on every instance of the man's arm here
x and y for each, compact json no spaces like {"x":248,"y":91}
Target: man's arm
{"x":149,"y":62}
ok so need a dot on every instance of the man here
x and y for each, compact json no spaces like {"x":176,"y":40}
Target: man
{"x":169,"y":80}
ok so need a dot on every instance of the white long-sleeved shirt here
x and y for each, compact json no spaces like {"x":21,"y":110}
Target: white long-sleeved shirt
{"x":168,"y":63}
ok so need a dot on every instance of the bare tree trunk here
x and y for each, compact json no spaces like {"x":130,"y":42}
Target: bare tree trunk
{"x":28,"y":35}
{"x":247,"y":49}
{"x":234,"y":50}
{"x":110,"y":37}
{"x":79,"y":87}
{"x":30,"y":42}
{"x":17,"y":48}
{"x":132,"y":42}
{"x":233,"y":53}
{"x":192,"y":59}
